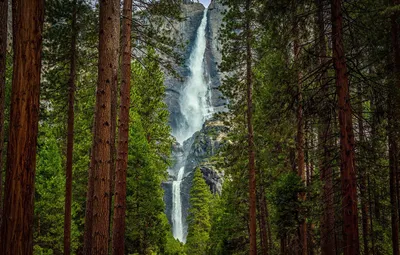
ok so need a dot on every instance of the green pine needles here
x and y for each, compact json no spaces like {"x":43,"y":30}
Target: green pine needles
{"x":199,"y":216}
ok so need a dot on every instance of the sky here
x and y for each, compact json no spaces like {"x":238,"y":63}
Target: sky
{"x":205,"y":2}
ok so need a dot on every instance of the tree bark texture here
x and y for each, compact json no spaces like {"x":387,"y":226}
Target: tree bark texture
{"x":123,"y":133}
{"x":347,"y":158}
{"x":108,"y":63}
{"x":17,"y":227}
{"x":251,"y":146}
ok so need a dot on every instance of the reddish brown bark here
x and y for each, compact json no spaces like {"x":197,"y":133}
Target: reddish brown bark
{"x":347,"y":158}
{"x":123,"y":134}
{"x":3,"y":53}
{"x":114,"y":101}
{"x":17,"y":231}
{"x":70,"y":135}
{"x":251,"y":146}
{"x":108,"y":62}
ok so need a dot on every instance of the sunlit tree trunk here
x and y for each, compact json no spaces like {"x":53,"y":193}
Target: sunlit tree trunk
{"x":123,"y":133}
{"x":108,"y":63}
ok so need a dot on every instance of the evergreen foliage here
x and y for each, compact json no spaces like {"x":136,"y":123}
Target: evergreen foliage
{"x":199,"y":225}
{"x":149,"y":148}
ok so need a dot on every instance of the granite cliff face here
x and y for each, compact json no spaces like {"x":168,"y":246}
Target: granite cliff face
{"x":186,"y":31}
{"x":198,"y":150}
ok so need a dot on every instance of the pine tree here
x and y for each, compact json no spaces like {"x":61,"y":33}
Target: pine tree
{"x":123,"y":134}
{"x":102,"y":149}
{"x":237,"y":39}
{"x":70,"y":131}
{"x":17,"y":231}
{"x":149,"y":147}
{"x":49,"y":195}
{"x":199,"y":226}
{"x":348,"y":171}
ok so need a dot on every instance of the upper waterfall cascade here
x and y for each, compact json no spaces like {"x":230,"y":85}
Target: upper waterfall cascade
{"x":195,"y":107}
{"x":195,"y":98}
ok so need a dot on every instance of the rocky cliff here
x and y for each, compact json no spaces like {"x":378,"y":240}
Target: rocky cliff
{"x":204,"y":144}
{"x":186,"y":31}
{"x":198,"y":152}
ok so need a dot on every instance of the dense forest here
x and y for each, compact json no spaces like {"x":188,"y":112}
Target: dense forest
{"x":164,"y":127}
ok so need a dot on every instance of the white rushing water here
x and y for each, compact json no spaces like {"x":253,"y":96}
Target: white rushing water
{"x":195,"y":101}
{"x":195,"y":97}
{"x":177,"y":206}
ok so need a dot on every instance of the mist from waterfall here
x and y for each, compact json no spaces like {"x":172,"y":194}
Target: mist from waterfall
{"x":194,"y":99}
{"x":195,"y":107}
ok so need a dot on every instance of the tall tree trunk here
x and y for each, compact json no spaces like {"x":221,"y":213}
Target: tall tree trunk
{"x":108,"y":62}
{"x":70,"y":135}
{"x":87,"y":238}
{"x":300,"y":141}
{"x":114,"y":101}
{"x":259,"y":216}
{"x":347,"y":166}
{"x":262,"y":218}
{"x":17,"y":231}
{"x":123,"y":133}
{"x":363,"y":174}
{"x":394,"y":114}
{"x":251,"y":145}
{"x":3,"y":54}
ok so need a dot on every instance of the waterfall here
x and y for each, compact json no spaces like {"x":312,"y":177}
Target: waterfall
{"x":177,"y":206}
{"x":195,"y":107}
{"x":195,"y":97}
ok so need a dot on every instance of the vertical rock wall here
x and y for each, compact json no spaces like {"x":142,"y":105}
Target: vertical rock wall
{"x":205,"y":143}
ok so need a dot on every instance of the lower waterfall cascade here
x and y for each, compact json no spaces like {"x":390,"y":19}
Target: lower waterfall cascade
{"x":195,"y":107}
{"x":177,"y":206}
